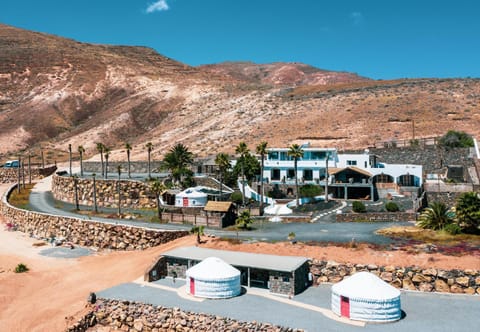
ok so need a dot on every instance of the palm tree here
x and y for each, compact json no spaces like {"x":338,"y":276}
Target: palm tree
{"x":128,"y":148}
{"x":199,"y":230}
{"x":296,"y":152}
{"x":262,"y":151}
{"x":242,"y":150}
{"x":435,"y":217}
{"x":70,"y":157}
{"x":177,"y":161}
{"x":244,"y":220}
{"x":81,"y":150}
{"x":158,"y":188}
{"x":106,"y":152}
{"x":149,"y":147}
{"x":223,"y":162}
{"x":75,"y":186}
{"x":100,"y":149}
{"x":95,"y":194}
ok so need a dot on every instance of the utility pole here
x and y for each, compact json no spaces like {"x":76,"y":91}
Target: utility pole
{"x":326,"y":178}
{"x":70,"y":157}
{"x":29,"y":169}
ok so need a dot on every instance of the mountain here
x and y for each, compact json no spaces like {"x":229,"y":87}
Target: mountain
{"x":56,"y":91}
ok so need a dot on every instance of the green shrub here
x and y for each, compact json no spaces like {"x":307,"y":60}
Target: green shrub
{"x":236,"y":197}
{"x":20,"y":268}
{"x":358,"y":207}
{"x":310,"y":190}
{"x":452,"y":229}
{"x":456,"y":139}
{"x":391,"y":207}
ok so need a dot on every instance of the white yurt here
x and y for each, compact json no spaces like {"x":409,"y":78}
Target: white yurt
{"x":366,"y":297}
{"x":191,"y":197}
{"x":213,"y":278}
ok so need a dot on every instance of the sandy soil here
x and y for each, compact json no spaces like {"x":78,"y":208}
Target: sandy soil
{"x":362,"y":254}
{"x":53,"y":293}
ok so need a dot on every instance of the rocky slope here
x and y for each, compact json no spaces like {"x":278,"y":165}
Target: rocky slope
{"x":55,"y":91}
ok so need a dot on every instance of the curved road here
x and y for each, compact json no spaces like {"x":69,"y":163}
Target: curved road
{"x":324,"y":229}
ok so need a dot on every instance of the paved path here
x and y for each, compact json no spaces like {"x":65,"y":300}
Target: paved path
{"x":311,"y":309}
{"x":323,"y":229}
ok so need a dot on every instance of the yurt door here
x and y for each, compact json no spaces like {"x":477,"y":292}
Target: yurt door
{"x":345,"y":306}
{"x":192,"y":286}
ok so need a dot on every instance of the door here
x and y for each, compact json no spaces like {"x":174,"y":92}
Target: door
{"x":192,"y":286}
{"x":185,"y":201}
{"x":344,"y":306}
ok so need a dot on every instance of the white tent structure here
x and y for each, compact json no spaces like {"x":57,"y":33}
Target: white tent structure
{"x":366,"y":297}
{"x":191,"y":197}
{"x":213,"y":278}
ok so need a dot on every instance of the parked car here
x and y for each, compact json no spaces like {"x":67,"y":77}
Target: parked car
{"x":12,"y":164}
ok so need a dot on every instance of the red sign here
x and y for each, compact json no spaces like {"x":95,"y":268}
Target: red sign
{"x":345,"y":306}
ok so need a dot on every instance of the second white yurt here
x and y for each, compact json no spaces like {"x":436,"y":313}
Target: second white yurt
{"x":213,"y":278}
{"x":191,"y":197}
{"x":366,"y":297}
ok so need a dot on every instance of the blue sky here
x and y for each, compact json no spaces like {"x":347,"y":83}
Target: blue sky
{"x":380,"y":39}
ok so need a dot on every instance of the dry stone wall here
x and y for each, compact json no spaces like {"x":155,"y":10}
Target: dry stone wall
{"x":408,"y":278}
{"x":10,"y":175}
{"x":376,"y":216}
{"x":135,"y":166}
{"x":85,"y":232}
{"x":133,"y":316}
{"x":134,"y":194}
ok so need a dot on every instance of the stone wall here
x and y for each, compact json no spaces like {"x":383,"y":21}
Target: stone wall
{"x":85,"y":232}
{"x":10,"y":175}
{"x":376,"y":216}
{"x":135,"y":167}
{"x":447,"y":198}
{"x":134,"y":194}
{"x":133,"y":316}
{"x":409,"y":278}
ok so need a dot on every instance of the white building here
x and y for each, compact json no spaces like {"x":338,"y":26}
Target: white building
{"x":349,"y":175}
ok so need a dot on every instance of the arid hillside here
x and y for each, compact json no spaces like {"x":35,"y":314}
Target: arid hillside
{"x":56,"y":91}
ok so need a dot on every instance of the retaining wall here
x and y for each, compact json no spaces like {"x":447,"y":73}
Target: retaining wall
{"x":376,"y":216}
{"x":409,"y":278}
{"x":135,"y":166}
{"x":134,"y":316}
{"x":134,"y":194}
{"x":10,"y":175}
{"x":85,"y":232}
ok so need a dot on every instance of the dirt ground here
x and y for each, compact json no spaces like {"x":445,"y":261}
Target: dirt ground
{"x":53,"y":293}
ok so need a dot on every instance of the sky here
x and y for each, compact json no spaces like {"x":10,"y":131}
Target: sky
{"x":380,"y":39}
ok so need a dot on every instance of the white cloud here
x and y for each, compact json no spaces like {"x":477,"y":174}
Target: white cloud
{"x":357,"y":18}
{"x":157,"y":6}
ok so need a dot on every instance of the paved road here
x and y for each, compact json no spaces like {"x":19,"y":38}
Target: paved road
{"x":325,"y":229}
{"x":423,"y":311}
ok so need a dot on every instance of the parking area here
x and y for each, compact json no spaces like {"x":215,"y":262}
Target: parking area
{"x":309,"y":310}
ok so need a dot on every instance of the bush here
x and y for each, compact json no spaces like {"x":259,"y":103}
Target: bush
{"x":456,"y":139}
{"x":236,"y":197}
{"x":358,"y":207}
{"x":310,"y":190}
{"x":452,"y":229}
{"x":391,"y":207}
{"x":20,"y":268}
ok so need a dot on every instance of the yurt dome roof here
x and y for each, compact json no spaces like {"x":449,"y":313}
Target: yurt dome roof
{"x":192,"y":193}
{"x":212,"y":268}
{"x":365,"y":285}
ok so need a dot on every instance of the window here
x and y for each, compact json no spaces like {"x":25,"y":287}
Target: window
{"x":275,"y":174}
{"x":273,"y":155}
{"x":290,"y":173}
{"x":286,"y":279}
{"x":317,"y":155}
{"x":351,"y":162}
{"x":308,"y":175}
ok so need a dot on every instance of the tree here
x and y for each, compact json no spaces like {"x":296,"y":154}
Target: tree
{"x":435,"y":217}
{"x":81,"y":150}
{"x":223,"y":162}
{"x":149,"y":147}
{"x":242,"y":150}
{"x":100,"y":149}
{"x":128,"y":148}
{"x":70,"y":157}
{"x":158,"y":188}
{"x":177,"y":161}
{"x":106,"y":152}
{"x":199,"y":230}
{"x":456,"y":139}
{"x":468,"y":212}
{"x":262,"y":151}
{"x":119,"y":171}
{"x":244,"y":220}
{"x":296,"y":152}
